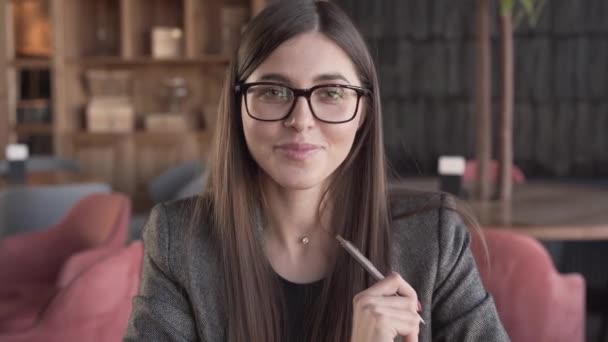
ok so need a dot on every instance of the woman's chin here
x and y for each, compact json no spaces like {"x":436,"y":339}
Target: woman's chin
{"x":297,"y":183}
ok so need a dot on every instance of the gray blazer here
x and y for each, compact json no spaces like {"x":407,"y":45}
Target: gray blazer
{"x":180,"y":296}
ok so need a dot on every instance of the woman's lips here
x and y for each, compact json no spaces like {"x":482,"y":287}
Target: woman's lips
{"x":298,"y":151}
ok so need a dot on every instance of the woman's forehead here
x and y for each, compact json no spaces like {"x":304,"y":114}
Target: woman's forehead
{"x":308,"y":58}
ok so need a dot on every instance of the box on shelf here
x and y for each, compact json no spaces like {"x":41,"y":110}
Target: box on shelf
{"x":110,"y":115}
{"x":170,"y":122}
{"x":109,"y":83}
{"x":166,"y":42}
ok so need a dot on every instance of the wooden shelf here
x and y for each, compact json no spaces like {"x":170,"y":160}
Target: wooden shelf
{"x":33,"y":128}
{"x":30,"y":63}
{"x":116,"y":35}
{"x":140,"y":134}
{"x":145,"y":61}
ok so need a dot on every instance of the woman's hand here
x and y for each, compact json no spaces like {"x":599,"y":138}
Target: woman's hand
{"x":379,"y":315}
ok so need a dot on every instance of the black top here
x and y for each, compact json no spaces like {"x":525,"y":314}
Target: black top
{"x":299,"y":299}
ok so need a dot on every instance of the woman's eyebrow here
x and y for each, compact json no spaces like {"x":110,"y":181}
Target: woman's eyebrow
{"x":319,"y":78}
{"x":274,"y":77}
{"x":330,"y":77}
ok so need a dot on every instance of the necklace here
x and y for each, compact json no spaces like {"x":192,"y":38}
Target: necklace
{"x":305,"y":239}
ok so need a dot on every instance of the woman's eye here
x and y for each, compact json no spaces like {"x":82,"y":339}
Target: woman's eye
{"x":274,"y":93}
{"x":332,"y":94}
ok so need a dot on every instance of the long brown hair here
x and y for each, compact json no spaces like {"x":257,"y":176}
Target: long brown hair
{"x":252,"y":294}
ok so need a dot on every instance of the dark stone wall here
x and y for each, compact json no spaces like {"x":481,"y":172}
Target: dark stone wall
{"x":425,"y":53}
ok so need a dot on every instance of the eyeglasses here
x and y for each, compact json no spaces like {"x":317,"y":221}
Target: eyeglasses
{"x":330,"y":103}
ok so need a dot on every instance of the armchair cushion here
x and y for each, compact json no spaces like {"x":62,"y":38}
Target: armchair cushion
{"x":534,"y":301}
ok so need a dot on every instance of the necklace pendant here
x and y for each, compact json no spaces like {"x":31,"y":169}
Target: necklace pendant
{"x":305,"y":240}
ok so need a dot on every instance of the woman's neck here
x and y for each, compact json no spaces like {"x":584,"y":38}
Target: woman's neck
{"x":292,"y":214}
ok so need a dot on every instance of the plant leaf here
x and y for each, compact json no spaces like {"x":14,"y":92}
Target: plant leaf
{"x":506,"y":7}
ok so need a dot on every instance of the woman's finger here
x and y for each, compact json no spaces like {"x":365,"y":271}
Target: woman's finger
{"x":396,"y":302}
{"x":391,"y":285}
{"x":403,"y":324}
{"x":397,"y":314}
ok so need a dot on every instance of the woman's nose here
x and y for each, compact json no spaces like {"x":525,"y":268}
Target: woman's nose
{"x":301,"y":117}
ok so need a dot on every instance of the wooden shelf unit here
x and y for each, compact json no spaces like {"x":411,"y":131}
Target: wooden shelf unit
{"x":37,"y":128}
{"x":116,"y":35}
{"x":140,"y":61}
{"x":30,"y":63}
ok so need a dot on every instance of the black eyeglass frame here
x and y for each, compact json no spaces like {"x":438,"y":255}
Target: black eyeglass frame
{"x":241,"y":89}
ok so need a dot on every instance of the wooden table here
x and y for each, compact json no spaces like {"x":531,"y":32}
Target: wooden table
{"x":39,"y":178}
{"x":545,"y":210}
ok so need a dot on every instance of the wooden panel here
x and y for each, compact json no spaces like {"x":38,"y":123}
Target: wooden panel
{"x":127,"y":36}
{"x":138,"y":17}
{"x":203,"y":24}
{"x":158,"y":152}
{"x":93,"y":27}
{"x":33,"y":129}
{"x":194,"y":21}
{"x":155,"y":154}
{"x":62,"y":124}
{"x":7,"y":37}
{"x":211,"y":18}
{"x":130,"y":161}
{"x":4,"y":123}
{"x":73,"y":113}
{"x":12,"y":92}
{"x":108,"y":157}
{"x":199,"y":60}
{"x":30,"y":63}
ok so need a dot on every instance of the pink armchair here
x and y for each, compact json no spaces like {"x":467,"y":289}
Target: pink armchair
{"x":534,"y":302}
{"x":93,"y":300}
{"x":98,"y":219}
{"x":30,"y":262}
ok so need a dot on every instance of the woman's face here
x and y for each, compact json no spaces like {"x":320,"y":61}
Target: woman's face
{"x":301,"y":152}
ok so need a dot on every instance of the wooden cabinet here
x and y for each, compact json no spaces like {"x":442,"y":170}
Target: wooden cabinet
{"x":131,"y":161}
{"x":107,"y":156}
{"x":4,"y":56}
{"x":175,"y":149}
{"x":116,"y":35}
{"x":26,"y":113}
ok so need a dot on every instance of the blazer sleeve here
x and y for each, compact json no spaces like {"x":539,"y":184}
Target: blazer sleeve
{"x":462,"y":309}
{"x":161,"y":310}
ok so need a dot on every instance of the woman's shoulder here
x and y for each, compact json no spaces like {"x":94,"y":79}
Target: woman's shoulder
{"x":189,"y":218}
{"x":409,"y":205}
{"x":183,"y":210}
{"x":404,"y":201}
{"x":424,"y":218}
{"x":179,"y":234}
{"x":427,"y":234}
{"x":175,"y":224}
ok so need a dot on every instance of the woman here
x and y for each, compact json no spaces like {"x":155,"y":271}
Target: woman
{"x":299,"y":159}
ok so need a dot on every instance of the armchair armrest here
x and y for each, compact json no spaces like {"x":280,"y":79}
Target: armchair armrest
{"x":31,"y":257}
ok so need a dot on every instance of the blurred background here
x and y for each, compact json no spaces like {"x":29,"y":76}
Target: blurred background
{"x":107,"y":108}
{"x":426,"y":56}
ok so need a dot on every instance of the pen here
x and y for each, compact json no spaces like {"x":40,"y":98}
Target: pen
{"x":363,"y":261}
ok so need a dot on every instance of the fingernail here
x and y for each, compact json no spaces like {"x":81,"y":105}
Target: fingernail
{"x":419,"y":306}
